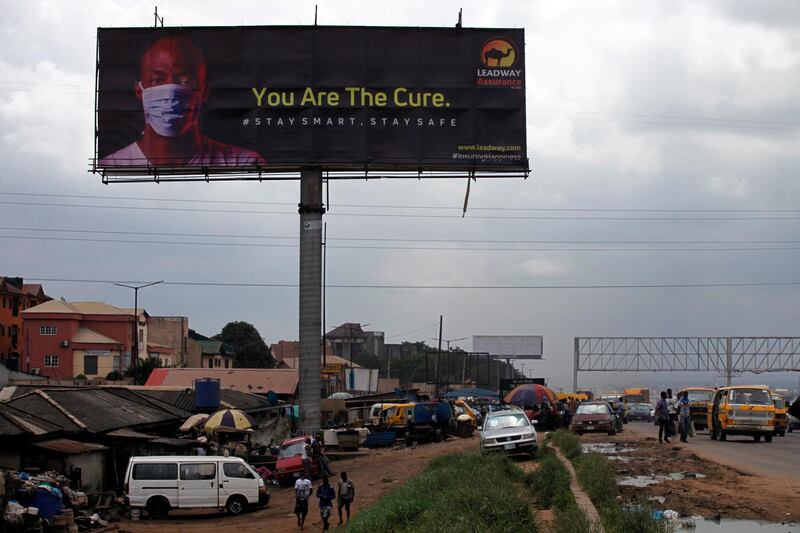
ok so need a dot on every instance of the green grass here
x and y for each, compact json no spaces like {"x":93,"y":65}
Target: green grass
{"x":569,"y":518}
{"x":568,"y":443}
{"x":598,"y":479}
{"x":456,"y":493}
{"x":549,"y":480}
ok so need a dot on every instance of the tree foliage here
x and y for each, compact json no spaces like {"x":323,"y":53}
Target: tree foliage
{"x":143,"y":370}
{"x":250,"y":350}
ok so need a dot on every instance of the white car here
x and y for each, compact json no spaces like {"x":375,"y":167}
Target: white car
{"x":162,"y":483}
{"x":508,"y":431}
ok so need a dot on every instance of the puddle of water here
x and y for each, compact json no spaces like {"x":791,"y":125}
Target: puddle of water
{"x":620,"y":458}
{"x":738,"y":526}
{"x":646,"y":481}
{"x":605,"y":447}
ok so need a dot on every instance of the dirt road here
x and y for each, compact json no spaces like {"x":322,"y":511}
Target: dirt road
{"x":374,"y":475}
{"x":781,"y":457}
{"x":736,"y":479}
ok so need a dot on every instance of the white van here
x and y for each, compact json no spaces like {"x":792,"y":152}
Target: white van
{"x":162,"y":483}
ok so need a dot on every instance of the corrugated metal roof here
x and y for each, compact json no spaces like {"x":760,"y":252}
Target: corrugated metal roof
{"x":16,"y":422}
{"x":253,"y":380}
{"x":68,"y":446}
{"x":98,"y":410}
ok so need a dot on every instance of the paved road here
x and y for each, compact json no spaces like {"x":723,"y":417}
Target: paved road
{"x":781,"y":457}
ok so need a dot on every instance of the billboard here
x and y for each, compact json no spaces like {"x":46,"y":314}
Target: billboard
{"x":509,"y":346}
{"x":208,"y":100}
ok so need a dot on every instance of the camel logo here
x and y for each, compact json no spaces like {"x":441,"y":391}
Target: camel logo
{"x":498,"y":52}
{"x":498,"y":57}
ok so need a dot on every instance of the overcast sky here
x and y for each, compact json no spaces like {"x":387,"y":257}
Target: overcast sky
{"x":631,"y":105}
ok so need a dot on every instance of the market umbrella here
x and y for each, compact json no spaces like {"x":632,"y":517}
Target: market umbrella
{"x":229,"y":420}
{"x":340,"y":396}
{"x":529,"y":394}
{"x":193,"y":421}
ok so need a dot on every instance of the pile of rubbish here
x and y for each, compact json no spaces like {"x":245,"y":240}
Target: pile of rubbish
{"x":34,"y":502}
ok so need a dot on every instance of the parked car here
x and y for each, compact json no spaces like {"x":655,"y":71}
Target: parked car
{"x":641,"y":411}
{"x":595,"y":416}
{"x":290,"y":460}
{"x":742,"y":410}
{"x":508,"y":431}
{"x":162,"y":483}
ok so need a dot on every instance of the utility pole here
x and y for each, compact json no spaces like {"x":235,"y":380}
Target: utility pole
{"x":311,"y":210}
{"x":135,"y":350}
{"x":438,"y":355}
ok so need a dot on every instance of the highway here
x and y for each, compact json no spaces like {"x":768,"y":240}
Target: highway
{"x":781,"y":457}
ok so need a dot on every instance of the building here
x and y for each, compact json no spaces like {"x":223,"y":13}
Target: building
{"x":282,"y":382}
{"x":15,"y":297}
{"x":333,"y":367}
{"x":67,"y":339}
{"x":168,"y":339}
{"x":205,"y":352}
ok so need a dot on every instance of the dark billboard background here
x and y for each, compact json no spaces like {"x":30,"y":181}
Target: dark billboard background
{"x":473,"y":117}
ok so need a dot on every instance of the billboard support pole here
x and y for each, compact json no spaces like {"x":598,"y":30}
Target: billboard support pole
{"x":310,"y":317}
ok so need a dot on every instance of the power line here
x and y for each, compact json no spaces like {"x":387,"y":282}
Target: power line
{"x":387,"y":239}
{"x":440,"y":287}
{"x":413,"y":330}
{"x":385,"y":206}
{"x":401,"y":248}
{"x":403,"y":215}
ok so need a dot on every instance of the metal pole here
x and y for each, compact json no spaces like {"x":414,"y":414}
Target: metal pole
{"x":728,"y":362}
{"x":135,"y":334}
{"x":575,"y":363}
{"x":311,"y":210}
{"x":438,"y":355}
{"x":324,"y":286}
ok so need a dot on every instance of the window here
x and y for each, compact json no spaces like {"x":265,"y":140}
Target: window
{"x":198,"y":471}
{"x":2,"y":331}
{"x":141,"y":336}
{"x":156,"y":471}
{"x":51,"y":361}
{"x":210,"y":363}
{"x":90,"y":365}
{"x":226,"y":363}
{"x":47,"y":330}
{"x":237,"y":470}
{"x":4,"y":302}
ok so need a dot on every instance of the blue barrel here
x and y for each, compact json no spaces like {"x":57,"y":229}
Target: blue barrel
{"x":206,"y":393}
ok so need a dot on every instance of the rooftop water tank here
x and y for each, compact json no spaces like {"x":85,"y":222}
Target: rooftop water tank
{"x":206,"y":394}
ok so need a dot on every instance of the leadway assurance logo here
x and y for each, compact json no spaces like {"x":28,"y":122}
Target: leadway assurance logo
{"x":498,"y":56}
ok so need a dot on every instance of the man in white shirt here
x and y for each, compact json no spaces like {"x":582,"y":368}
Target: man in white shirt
{"x":302,"y":490}
{"x":173,"y":89}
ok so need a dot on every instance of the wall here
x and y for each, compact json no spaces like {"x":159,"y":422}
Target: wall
{"x":105,"y":363}
{"x":172,"y":331}
{"x":41,"y":345}
{"x":194,"y":354}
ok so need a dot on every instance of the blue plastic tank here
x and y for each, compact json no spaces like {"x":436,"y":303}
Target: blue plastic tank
{"x":206,"y":393}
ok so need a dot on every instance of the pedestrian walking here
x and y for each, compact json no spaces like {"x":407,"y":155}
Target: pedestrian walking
{"x":347,"y":492}
{"x":326,"y":494}
{"x":685,"y":413}
{"x":662,"y":415}
{"x":302,"y":490}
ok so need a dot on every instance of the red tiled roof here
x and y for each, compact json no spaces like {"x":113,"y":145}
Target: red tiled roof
{"x":253,"y":380}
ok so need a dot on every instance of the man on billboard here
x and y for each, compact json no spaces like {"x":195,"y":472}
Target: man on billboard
{"x":172,"y":89}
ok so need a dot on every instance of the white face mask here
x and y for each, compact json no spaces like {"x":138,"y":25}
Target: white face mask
{"x":166,"y":107}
